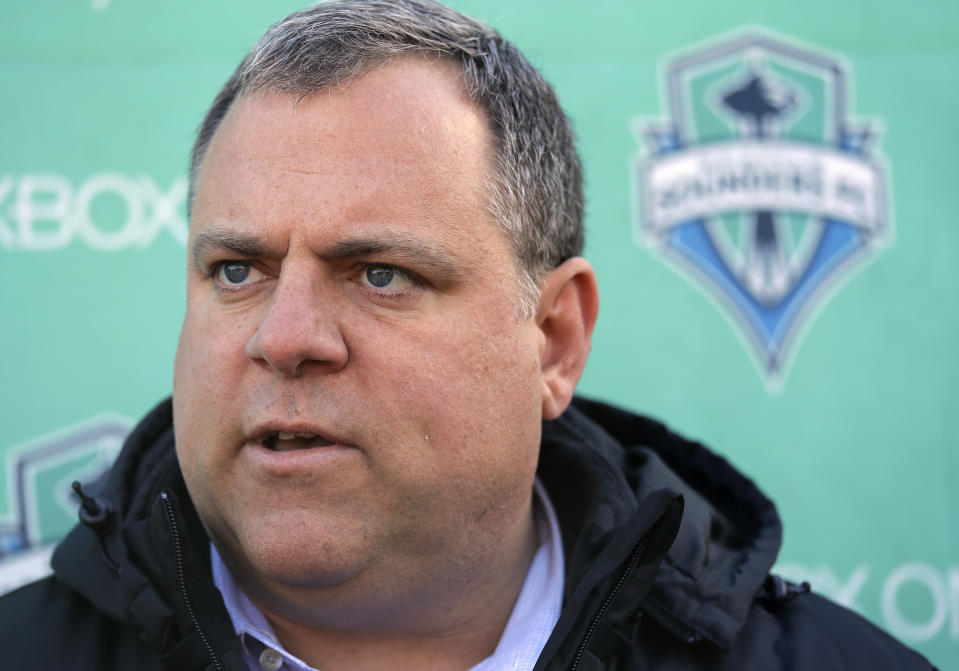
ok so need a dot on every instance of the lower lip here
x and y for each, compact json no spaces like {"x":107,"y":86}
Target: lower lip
{"x":296,"y":460}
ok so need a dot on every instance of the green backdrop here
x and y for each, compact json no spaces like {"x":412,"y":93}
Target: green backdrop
{"x":855,"y":437}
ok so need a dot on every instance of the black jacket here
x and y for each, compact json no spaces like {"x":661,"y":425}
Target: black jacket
{"x":667,"y":549}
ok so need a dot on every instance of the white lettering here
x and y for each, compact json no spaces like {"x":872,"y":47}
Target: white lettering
{"x":933,"y":582}
{"x":6,"y":235}
{"x":55,"y":208}
{"x":847,"y":593}
{"x":826,"y":582}
{"x":754,"y":175}
{"x":953,"y":581}
{"x":129,"y":192}
{"x":941,"y":584}
{"x":46,"y":214}
{"x":164,"y":211}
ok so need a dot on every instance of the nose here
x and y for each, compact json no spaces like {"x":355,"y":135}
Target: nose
{"x":298,"y":331}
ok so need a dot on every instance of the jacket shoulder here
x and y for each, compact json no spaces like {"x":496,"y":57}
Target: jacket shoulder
{"x":813,"y":632}
{"x":805,"y":633}
{"x":46,"y":625}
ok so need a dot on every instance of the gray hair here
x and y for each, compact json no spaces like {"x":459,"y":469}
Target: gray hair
{"x":536,"y":183}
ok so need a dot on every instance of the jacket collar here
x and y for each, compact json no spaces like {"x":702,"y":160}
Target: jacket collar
{"x":147,"y":567}
{"x":605,"y":468}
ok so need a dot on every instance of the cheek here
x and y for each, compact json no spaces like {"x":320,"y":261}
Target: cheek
{"x":210,"y":352}
{"x":205,"y":382}
{"x":187,"y":393}
{"x":469,"y":388}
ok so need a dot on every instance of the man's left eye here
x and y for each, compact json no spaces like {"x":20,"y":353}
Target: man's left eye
{"x":380,"y":276}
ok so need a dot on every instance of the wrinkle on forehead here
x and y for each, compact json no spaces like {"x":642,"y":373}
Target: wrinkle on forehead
{"x":417,"y":107}
{"x":414,"y":119}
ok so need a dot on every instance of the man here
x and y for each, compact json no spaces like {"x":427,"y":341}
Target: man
{"x":385,"y":301}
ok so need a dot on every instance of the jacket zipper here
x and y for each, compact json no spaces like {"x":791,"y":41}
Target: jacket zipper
{"x":178,"y":554}
{"x":594,"y":623}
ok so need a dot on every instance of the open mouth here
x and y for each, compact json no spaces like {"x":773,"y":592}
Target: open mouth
{"x":281,"y":441}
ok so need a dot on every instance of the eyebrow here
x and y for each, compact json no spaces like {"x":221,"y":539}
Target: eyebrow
{"x":397,"y":246}
{"x":218,"y":239}
{"x":400,"y":248}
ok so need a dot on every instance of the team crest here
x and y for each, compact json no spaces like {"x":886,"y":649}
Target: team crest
{"x":37,"y":504}
{"x":760,"y":185}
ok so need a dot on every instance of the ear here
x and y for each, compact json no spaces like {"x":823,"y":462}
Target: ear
{"x":566,"y":314}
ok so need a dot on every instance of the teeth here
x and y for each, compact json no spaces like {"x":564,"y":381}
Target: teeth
{"x":278,"y":441}
{"x":283,"y":435}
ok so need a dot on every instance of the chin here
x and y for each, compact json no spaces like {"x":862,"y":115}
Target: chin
{"x":287,"y":554}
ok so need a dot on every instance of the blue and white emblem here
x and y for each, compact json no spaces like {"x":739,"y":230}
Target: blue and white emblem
{"x":760,"y":185}
{"x":37,"y":504}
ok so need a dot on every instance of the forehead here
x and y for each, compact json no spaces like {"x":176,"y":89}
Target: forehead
{"x":405,"y":134}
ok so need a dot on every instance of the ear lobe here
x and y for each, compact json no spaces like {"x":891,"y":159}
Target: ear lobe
{"x":566,"y":314}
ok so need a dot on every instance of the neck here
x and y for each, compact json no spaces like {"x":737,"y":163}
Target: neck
{"x":455,"y":650}
{"x":451,"y":622}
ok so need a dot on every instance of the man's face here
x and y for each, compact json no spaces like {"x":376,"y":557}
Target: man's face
{"x":357,"y":397}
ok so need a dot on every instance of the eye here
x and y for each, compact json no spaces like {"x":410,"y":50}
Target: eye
{"x":382,"y":276}
{"x":236,"y":274}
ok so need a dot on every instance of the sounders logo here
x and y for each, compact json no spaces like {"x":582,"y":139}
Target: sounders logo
{"x":108,"y":212}
{"x":760,"y":185}
{"x":37,"y":505}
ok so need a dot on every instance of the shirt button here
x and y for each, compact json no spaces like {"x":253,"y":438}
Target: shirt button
{"x":271,"y":660}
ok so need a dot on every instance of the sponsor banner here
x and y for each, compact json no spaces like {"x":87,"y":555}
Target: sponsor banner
{"x":759,"y":185}
{"x":738,"y":176}
{"x":744,"y":188}
{"x":107,"y":212}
